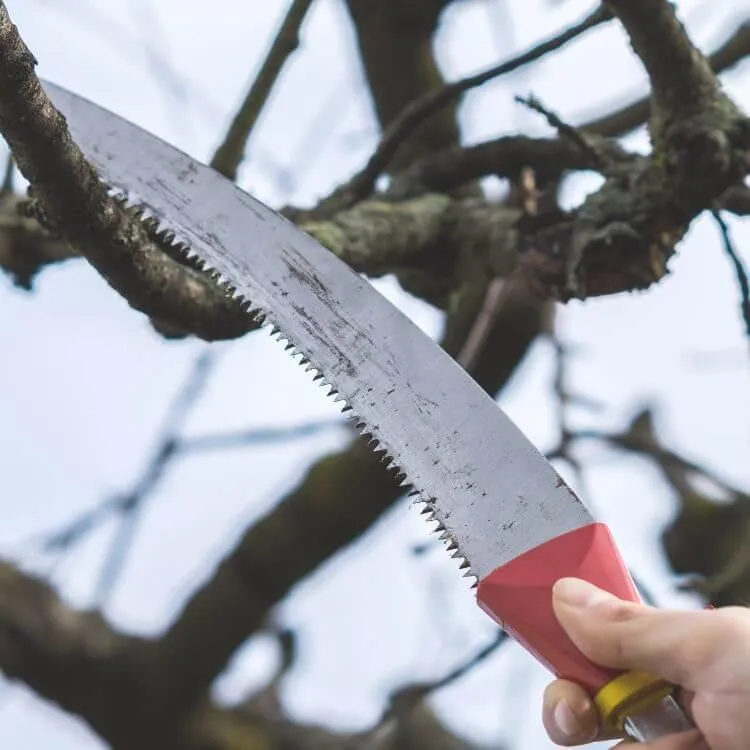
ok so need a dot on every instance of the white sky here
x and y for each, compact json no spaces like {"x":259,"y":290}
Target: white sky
{"x":86,"y":383}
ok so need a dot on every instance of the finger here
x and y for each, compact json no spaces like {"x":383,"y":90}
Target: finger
{"x":569,"y":714}
{"x":692,"y":740}
{"x":682,"y":647}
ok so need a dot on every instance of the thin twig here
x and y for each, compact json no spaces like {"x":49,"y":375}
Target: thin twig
{"x":412,"y":116}
{"x":260,"y":435}
{"x":499,"y":289}
{"x":10,"y":166}
{"x":477,"y":339}
{"x":463,"y":669}
{"x":739,"y":269}
{"x":661,"y":455}
{"x":564,"y":400}
{"x":229,"y":155}
{"x":566,"y":130}
{"x":131,"y":505}
{"x":407,"y":698}
{"x":78,"y":528}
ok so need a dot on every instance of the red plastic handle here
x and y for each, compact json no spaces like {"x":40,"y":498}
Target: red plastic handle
{"x":518,"y":596}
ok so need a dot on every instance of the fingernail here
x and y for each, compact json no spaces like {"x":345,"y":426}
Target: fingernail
{"x":566,"y":720}
{"x":577,"y":593}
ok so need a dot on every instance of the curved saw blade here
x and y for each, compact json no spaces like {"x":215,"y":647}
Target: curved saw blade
{"x":492,"y":491}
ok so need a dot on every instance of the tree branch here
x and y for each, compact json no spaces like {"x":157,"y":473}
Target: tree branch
{"x":622,"y":121}
{"x":739,"y":270}
{"x":336,"y":502}
{"x":736,"y":200}
{"x":229,"y":154}
{"x":71,"y":658}
{"x":682,"y":81}
{"x":77,"y":661}
{"x":706,"y":537}
{"x":419,"y":110}
{"x":76,"y":204}
{"x":506,"y":156}
{"x":701,"y":148}
{"x":25,"y":247}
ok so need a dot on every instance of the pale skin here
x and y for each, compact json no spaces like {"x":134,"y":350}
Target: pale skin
{"x":706,"y":653}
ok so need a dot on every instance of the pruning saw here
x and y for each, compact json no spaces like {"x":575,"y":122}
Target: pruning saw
{"x":499,"y":504}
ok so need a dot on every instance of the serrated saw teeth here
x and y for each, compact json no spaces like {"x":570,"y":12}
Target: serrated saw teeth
{"x":263,"y":318}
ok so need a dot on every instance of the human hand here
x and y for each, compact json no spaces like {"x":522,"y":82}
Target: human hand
{"x":706,"y":653}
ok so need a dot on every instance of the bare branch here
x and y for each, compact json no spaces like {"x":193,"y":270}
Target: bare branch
{"x":739,"y":269}
{"x":230,"y":153}
{"x":706,"y":538}
{"x":622,"y":121}
{"x":681,"y":77}
{"x":131,"y":505}
{"x":77,"y":529}
{"x":257,"y":436}
{"x":76,"y":204}
{"x":638,"y":437}
{"x":563,"y":399}
{"x":409,"y":697}
{"x":308,"y":526}
{"x":378,"y":236}
{"x":25,"y":246}
{"x":7,"y":185}
{"x":77,"y":661}
{"x":736,"y":200}
{"x":418,"y":111}
{"x":480,"y":331}
{"x":506,"y":157}
{"x":71,"y":658}
{"x":580,"y":140}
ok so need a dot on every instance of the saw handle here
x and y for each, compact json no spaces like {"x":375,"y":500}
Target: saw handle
{"x":518,"y":596}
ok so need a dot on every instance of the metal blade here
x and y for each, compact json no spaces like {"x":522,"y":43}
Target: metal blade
{"x":491,"y":490}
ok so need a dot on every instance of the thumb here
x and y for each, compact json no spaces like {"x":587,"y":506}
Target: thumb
{"x":684,"y":648}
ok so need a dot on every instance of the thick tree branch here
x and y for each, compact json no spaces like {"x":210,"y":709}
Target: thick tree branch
{"x":76,"y":205}
{"x":338,"y":500}
{"x":379,"y":237}
{"x":701,"y":149}
{"x":375,"y":236}
{"x":25,"y":247}
{"x":77,"y":661}
{"x":736,"y":200}
{"x":682,"y":81}
{"x":71,"y":658}
{"x":505,"y":157}
{"x":622,"y":121}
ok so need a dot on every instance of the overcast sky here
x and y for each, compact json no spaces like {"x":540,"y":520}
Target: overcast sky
{"x":86,"y":382}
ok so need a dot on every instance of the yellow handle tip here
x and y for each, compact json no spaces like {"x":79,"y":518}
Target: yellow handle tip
{"x":627,"y":694}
